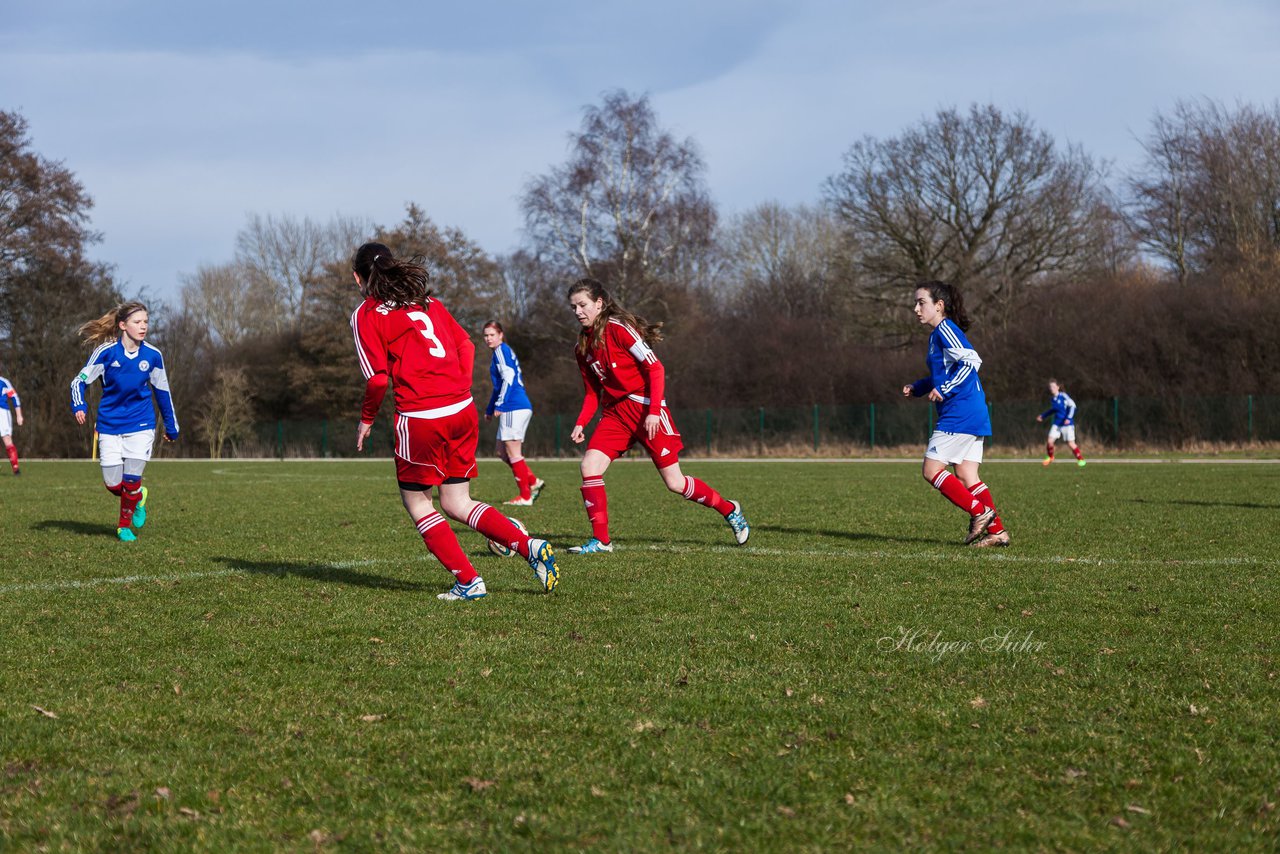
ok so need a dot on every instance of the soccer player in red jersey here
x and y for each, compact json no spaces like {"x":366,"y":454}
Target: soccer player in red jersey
{"x":410,"y":341}
{"x":620,"y":371}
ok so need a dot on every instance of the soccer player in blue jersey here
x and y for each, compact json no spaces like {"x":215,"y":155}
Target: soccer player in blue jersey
{"x":9,"y":393}
{"x":510,"y":401}
{"x":132,"y":373}
{"x":963,"y":420}
{"x":1063,"y":410}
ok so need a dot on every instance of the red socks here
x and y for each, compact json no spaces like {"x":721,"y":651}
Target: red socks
{"x":443,"y":543}
{"x":1049,"y":451}
{"x":954,"y":491}
{"x":597,"y":504}
{"x":130,"y":495}
{"x":492,"y":525}
{"x":696,"y":490}
{"x":1075,"y":450}
{"x":13,"y":455}
{"x":524,"y":477}
{"x":983,"y":495}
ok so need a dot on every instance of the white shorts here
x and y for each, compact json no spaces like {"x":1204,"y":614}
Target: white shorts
{"x":1067,"y":433}
{"x":6,"y":427}
{"x":113,"y":450}
{"x":512,"y":425}
{"x":954,"y":448}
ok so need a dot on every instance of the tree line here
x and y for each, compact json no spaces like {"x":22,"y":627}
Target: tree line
{"x":1160,"y":281}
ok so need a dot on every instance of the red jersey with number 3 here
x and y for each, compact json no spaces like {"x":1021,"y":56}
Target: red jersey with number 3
{"x":426,"y":354}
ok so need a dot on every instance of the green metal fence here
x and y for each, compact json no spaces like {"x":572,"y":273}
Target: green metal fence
{"x":857,"y":428}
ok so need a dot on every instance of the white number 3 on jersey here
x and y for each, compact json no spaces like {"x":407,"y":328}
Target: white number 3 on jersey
{"x":428,"y":333}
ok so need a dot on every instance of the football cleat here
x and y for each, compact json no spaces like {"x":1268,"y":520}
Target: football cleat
{"x":140,"y":512}
{"x":460,"y":591}
{"x":125,"y":535}
{"x":17,"y":472}
{"x":1000,"y":539}
{"x":1080,"y":463}
{"x":738,"y":522}
{"x":520,"y":502}
{"x":978,"y":525}
{"x":535,"y":489}
{"x":1046,"y":461}
{"x":542,"y":560}
{"x":590,"y":547}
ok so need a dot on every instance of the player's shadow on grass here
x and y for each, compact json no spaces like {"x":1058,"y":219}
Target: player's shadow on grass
{"x":75,"y":526}
{"x":319,"y":572}
{"x":1247,"y":505}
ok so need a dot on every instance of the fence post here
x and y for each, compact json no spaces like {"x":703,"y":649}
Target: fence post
{"x":557,"y":435}
{"x":815,"y":428}
{"x":873,"y":426}
{"x":1115,"y":418}
{"x":324,"y":438}
{"x":280,"y":437}
{"x":1251,"y":418}
{"x":708,"y":432}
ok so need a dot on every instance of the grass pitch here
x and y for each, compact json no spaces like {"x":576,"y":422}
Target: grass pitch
{"x":268,"y":667}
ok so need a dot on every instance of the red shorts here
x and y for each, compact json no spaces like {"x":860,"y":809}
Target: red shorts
{"x":429,"y":451}
{"x":622,"y":425}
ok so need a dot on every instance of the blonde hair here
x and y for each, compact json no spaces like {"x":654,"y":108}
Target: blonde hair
{"x":107,"y":327}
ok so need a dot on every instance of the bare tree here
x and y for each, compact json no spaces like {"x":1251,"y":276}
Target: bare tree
{"x":789,"y":257}
{"x":1207,"y":197}
{"x":47,"y":285}
{"x":981,"y":199}
{"x":227,"y":414}
{"x":227,"y":299}
{"x":1159,"y":207}
{"x":43,"y":208}
{"x":284,"y":257}
{"x":629,"y":206}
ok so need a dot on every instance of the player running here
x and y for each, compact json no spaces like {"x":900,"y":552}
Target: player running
{"x":510,"y":401}
{"x":1063,"y":410}
{"x":409,"y":340}
{"x":621,"y":371}
{"x":9,"y":394}
{"x":132,"y":373}
{"x":963,"y":420}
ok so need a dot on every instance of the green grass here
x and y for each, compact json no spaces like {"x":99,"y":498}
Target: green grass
{"x":279,"y":674}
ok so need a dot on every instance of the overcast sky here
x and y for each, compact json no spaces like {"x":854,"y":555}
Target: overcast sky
{"x":181,"y":122}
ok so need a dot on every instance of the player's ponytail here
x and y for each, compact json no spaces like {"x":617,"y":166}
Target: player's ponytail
{"x":952,"y":302}
{"x":390,"y":280}
{"x":107,"y":327}
{"x":591,"y":337}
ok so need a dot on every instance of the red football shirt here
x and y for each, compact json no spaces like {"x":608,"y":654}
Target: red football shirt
{"x":622,"y":366}
{"x":426,"y":355}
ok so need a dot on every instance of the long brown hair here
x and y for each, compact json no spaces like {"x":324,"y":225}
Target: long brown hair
{"x":591,"y":336}
{"x":107,"y":327}
{"x":389,"y":279}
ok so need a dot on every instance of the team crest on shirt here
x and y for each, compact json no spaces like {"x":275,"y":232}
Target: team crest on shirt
{"x":144,"y":365}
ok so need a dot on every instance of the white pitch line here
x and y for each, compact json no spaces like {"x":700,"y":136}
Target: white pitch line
{"x":754,"y":551}
{"x":985,"y":554}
